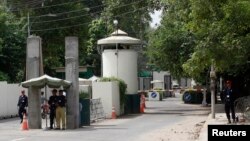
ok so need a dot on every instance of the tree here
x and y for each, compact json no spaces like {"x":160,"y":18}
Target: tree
{"x":222,"y":36}
{"x":73,"y":19}
{"x":53,"y":21}
{"x":97,"y":30}
{"x":219,"y":34}
{"x":171,"y":44}
{"x":133,"y":17}
{"x":12,"y":47}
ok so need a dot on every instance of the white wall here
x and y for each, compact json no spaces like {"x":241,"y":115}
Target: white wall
{"x":159,"y":76}
{"x":86,"y":82}
{"x":9,"y":98}
{"x":11,"y":92}
{"x":122,"y":64}
{"x":109,"y":94}
{"x":185,"y":82}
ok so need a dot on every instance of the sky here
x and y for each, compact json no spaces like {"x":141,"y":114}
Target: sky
{"x":155,"y":18}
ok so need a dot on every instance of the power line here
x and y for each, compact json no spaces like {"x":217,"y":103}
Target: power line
{"x":85,"y":9}
{"x":82,"y":15}
{"x":73,"y":11}
{"x":76,"y":25}
{"x":65,"y":18}
{"x":35,"y":8}
{"x":16,"y":6}
{"x":29,"y":2}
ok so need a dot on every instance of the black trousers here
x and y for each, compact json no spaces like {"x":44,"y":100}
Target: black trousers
{"x":21,"y":111}
{"x":52,"y":117}
{"x":229,"y":108}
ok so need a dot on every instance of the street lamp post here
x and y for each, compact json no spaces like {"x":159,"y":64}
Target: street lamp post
{"x":116,"y":53}
{"x":116,"y":25}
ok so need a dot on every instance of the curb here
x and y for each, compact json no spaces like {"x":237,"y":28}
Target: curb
{"x":203,"y":131}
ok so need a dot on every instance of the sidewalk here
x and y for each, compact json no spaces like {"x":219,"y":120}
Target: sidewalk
{"x":220,"y":119}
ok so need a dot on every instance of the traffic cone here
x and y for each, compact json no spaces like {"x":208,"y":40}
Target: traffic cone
{"x":25,"y":123}
{"x":113,"y":113}
{"x":144,"y":101}
{"x":141,"y":107}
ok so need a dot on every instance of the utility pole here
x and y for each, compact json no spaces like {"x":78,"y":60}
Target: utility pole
{"x":28,"y":18}
{"x":212,"y":88}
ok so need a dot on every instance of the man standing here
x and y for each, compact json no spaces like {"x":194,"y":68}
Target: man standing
{"x":229,"y":98}
{"x":60,"y":110}
{"x":22,"y":104}
{"x":52,"y":106}
{"x":43,"y":98}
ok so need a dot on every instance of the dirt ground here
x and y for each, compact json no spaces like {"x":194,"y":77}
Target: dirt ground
{"x":187,"y":130}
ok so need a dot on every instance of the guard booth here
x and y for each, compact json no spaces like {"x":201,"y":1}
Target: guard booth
{"x":119,"y":59}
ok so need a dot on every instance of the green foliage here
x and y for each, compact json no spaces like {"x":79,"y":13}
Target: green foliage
{"x":157,"y":88}
{"x":133,"y":16}
{"x":70,"y":19}
{"x":97,"y":30}
{"x":12,"y":47}
{"x":161,"y":95}
{"x":171,"y":42}
{"x":3,"y":76}
{"x":88,"y":26}
{"x":83,"y":95}
{"x":122,"y":87}
{"x":222,"y":34}
{"x":215,"y":32}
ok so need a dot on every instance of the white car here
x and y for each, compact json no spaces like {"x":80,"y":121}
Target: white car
{"x":176,"y":89}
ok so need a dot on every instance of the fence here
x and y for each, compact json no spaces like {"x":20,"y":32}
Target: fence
{"x":242,"y":105}
{"x":96,"y":110}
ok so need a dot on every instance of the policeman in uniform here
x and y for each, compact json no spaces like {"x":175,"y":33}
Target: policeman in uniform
{"x":52,"y":106}
{"x":229,"y":98}
{"x":60,"y":111}
{"x":22,"y":104}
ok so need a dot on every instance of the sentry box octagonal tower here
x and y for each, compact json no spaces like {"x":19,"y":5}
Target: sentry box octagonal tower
{"x":119,"y":59}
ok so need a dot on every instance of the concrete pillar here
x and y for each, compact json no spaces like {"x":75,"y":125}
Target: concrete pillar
{"x":72,"y":74}
{"x":33,"y":64}
{"x":204,"y":101}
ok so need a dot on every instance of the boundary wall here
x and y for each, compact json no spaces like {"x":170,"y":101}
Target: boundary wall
{"x":9,"y":98}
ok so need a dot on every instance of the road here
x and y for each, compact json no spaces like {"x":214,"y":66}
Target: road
{"x":159,"y":116}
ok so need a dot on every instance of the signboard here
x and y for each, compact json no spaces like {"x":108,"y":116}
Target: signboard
{"x":154,"y":95}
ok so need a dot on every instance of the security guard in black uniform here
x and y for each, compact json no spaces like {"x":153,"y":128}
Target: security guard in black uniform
{"x":229,"y":98}
{"x":52,"y":106}
{"x":22,"y":104}
{"x":60,"y":111}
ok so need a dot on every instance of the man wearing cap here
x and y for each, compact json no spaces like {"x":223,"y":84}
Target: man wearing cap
{"x":229,"y":98}
{"x":52,"y":106}
{"x":22,"y":104}
{"x":60,"y":110}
